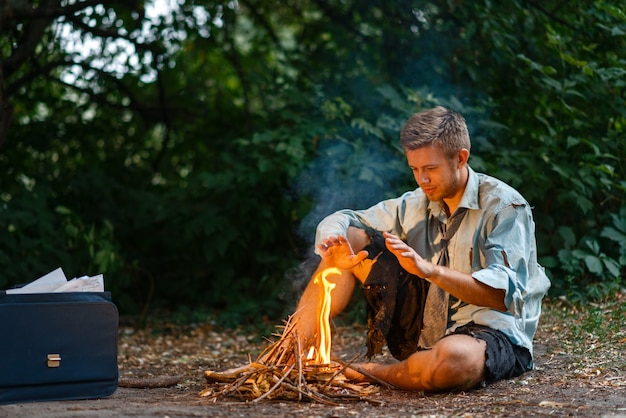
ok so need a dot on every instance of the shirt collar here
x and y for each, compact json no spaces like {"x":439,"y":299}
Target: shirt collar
{"x":469,"y":199}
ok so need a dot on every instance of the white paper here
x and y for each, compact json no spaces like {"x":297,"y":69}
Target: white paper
{"x":44,"y":284}
{"x":56,"y":282}
{"x":83,"y":284}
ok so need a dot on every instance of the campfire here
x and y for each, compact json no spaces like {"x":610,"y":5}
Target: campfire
{"x":321,"y":353}
{"x":287,"y":370}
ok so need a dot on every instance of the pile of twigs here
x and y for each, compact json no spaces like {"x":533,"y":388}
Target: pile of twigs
{"x":281,"y":372}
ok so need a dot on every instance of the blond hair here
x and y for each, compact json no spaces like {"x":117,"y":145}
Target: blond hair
{"x":437,"y":126}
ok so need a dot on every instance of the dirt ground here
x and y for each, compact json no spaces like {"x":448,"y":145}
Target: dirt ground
{"x":580,"y":371}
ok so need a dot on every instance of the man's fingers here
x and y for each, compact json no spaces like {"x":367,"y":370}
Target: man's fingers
{"x":362,"y":255}
{"x":334,"y":242}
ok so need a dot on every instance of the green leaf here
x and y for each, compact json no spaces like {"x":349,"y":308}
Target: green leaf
{"x":63,"y":210}
{"x":594,"y":264}
{"x":593,"y":246}
{"x":612,"y":266}
{"x":549,"y":262}
{"x":614,"y":235}
{"x":568,"y":235}
{"x":585,"y":204}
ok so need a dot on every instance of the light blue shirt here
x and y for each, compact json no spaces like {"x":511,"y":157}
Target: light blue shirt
{"x":495,"y":243}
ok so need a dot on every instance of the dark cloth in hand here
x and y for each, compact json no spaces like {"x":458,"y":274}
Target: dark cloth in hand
{"x":395,"y":303}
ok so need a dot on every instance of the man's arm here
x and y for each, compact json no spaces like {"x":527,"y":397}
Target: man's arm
{"x":461,"y":285}
{"x":466,"y":288}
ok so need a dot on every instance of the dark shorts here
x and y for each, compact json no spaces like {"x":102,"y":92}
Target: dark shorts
{"x":503,"y":359}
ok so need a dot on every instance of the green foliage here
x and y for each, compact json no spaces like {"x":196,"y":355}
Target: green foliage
{"x":194,"y":174}
{"x":558,"y":86}
{"x":35,"y":240}
{"x":590,"y":271}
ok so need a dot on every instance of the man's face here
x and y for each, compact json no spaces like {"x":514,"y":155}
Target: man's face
{"x":435,"y":173}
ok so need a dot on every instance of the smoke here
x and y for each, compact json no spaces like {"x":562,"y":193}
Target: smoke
{"x":348,"y":176}
{"x":344,"y":175}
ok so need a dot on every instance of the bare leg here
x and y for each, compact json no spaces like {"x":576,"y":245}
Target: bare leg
{"x":455,"y":362}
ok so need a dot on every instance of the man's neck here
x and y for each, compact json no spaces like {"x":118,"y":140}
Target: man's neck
{"x":450,"y":205}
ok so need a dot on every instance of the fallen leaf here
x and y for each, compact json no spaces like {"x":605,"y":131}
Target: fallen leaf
{"x":551,"y":404}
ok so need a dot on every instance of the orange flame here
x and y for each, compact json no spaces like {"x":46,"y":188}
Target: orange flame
{"x":323,"y":309}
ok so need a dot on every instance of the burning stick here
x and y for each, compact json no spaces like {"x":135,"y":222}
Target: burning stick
{"x":282,"y":371}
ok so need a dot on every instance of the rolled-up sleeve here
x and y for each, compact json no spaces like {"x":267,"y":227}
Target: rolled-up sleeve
{"x":384,"y":216}
{"x":506,"y":255}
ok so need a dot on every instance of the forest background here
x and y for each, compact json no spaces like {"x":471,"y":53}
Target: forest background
{"x":188,"y":154}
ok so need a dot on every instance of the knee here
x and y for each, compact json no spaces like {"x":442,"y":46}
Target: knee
{"x":459,"y":363}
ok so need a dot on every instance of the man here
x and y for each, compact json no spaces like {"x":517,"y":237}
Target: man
{"x":482,"y":279}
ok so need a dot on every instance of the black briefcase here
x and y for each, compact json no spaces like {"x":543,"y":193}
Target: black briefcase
{"x":57,"y":346}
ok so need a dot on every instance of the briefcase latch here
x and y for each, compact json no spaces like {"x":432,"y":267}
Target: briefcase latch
{"x":54,"y":360}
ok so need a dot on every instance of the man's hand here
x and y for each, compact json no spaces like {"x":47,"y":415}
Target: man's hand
{"x":337,"y":252}
{"x":410,"y":260}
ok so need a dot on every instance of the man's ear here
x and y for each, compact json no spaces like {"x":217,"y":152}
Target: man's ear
{"x":462,"y":157}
